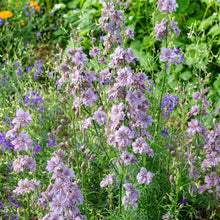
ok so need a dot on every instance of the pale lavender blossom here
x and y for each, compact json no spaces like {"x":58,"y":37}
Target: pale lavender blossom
{"x":124,"y":137}
{"x":140,"y":146}
{"x":193,"y":172}
{"x":174,"y":27}
{"x":194,"y":110}
{"x":23,"y":142}
{"x":124,"y":76}
{"x":59,"y":203}
{"x":161,"y":30}
{"x":100,"y":117}
{"x":196,"y":96}
{"x":127,"y":202}
{"x":128,"y":158}
{"x":21,"y":161}
{"x":212,"y":180}
{"x":63,"y":173}
{"x":194,"y":127}
{"x":109,"y":179}
{"x":22,"y":116}
{"x":129,"y":33}
{"x":117,"y":112}
{"x":26,"y":186}
{"x":89,"y":97}
{"x":95,"y":52}
{"x":54,"y":164}
{"x":13,"y":132}
{"x":167,"y":6}
{"x":144,"y":176}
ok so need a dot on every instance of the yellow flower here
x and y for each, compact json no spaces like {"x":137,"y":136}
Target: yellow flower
{"x":5,"y":14}
{"x":22,"y":24}
{"x":17,"y":4}
{"x":35,"y":5}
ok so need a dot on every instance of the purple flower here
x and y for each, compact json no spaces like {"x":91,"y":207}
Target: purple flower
{"x":24,"y":8}
{"x":26,"y":186}
{"x":212,"y":180}
{"x":21,"y":161}
{"x":100,"y":117}
{"x":1,"y":21}
{"x":22,"y":142}
{"x":161,"y":30}
{"x":38,"y":34}
{"x":128,"y":158}
{"x":109,"y":179}
{"x":140,"y":146}
{"x":28,"y":69}
{"x":194,"y":110}
{"x":28,"y":14}
{"x":124,"y":76}
{"x":22,"y":116}
{"x":194,"y":127}
{"x":59,"y":203}
{"x":167,"y":6}
{"x":117,"y":112}
{"x":95,"y":52}
{"x":196,"y":96}
{"x":89,"y":97}
{"x":184,"y":201}
{"x":175,"y":28}
{"x":124,"y":137}
{"x":144,"y":176}
{"x":54,"y":164}
{"x":37,"y":149}
{"x":101,"y":37}
{"x":129,"y":33}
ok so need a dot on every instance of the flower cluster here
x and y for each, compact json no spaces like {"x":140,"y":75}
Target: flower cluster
{"x":167,"y":6}
{"x":112,"y":22}
{"x":26,"y":186}
{"x":169,"y":103}
{"x":163,"y":31}
{"x":64,"y":194}
{"x":132,"y":195}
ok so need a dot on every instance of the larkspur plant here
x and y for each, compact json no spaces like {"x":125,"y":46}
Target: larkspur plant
{"x":94,"y":137}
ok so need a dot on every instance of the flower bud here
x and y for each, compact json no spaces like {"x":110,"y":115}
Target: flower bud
{"x":92,"y":158}
{"x":70,"y":158}
{"x":127,"y":5}
{"x":87,"y":151}
{"x":214,"y":121}
{"x":171,"y":179}
{"x":82,"y":148}
{"x":64,"y":100}
{"x":63,"y":122}
{"x":188,"y":115}
{"x":78,"y":182}
{"x":51,"y":135}
{"x":80,"y":39}
{"x":71,"y":26}
{"x":60,"y":145}
{"x":93,"y":40}
{"x":83,"y":166}
{"x":59,"y":128}
{"x":173,"y":153}
{"x":68,"y":145}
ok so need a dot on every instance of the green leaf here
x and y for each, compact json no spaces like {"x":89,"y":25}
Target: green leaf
{"x":214,"y":31}
{"x":183,"y":5}
{"x":207,"y":22}
{"x":185,"y":76}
